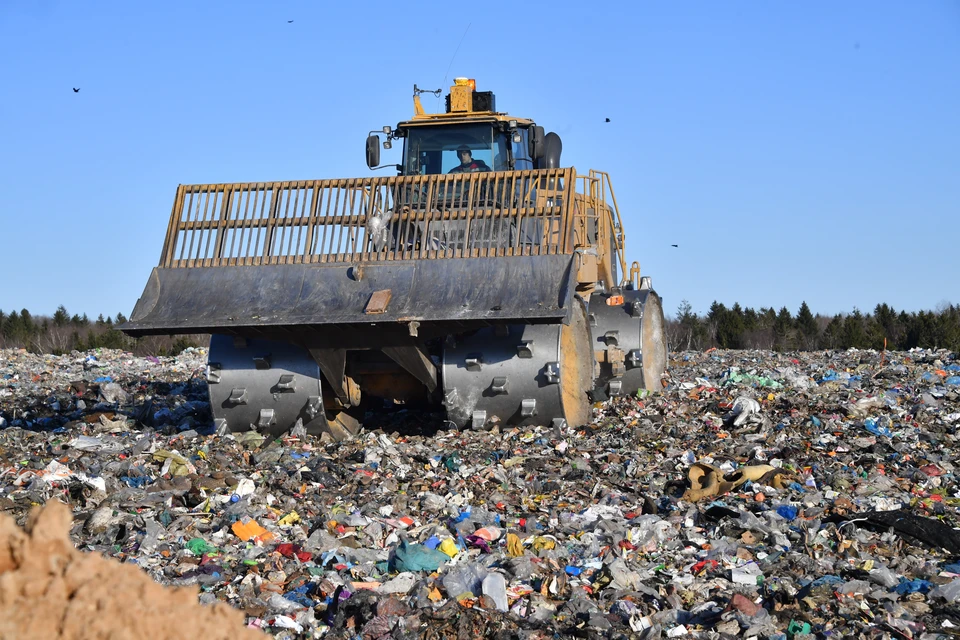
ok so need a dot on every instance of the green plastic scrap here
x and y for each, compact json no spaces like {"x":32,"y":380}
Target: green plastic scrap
{"x":452,"y":463}
{"x":199,"y":546}
{"x":735,"y":376}
{"x":416,"y":557}
{"x":796,"y":627}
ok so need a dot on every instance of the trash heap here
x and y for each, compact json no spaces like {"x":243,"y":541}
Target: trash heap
{"x":759,"y":495}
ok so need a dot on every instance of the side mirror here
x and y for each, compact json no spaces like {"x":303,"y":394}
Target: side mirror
{"x":536,"y":142}
{"x":373,"y":151}
{"x":552,"y":147}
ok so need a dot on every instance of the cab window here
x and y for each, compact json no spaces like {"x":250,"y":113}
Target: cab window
{"x":432,"y":150}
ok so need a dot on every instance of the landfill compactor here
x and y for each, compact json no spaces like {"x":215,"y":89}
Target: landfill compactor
{"x":484,"y":278}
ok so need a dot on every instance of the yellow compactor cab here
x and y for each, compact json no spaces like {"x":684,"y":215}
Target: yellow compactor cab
{"x":484,"y":277}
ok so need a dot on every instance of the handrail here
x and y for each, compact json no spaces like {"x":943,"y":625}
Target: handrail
{"x":371,"y":219}
{"x":616,"y":223}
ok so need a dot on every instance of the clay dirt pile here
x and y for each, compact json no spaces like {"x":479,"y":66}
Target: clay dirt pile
{"x":49,"y":589}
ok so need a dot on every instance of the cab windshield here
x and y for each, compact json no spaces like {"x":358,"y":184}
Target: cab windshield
{"x":433,"y":150}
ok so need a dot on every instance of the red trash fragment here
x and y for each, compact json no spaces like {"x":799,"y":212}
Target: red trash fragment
{"x":289,"y":550}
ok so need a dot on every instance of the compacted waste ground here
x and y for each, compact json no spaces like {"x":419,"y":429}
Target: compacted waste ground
{"x":760,"y":494}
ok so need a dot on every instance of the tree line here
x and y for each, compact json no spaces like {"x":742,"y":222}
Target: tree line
{"x":724,"y":327}
{"x":62,"y":333}
{"x":738,"y":328}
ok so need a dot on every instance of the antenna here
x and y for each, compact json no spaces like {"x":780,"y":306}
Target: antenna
{"x":455,"y":51}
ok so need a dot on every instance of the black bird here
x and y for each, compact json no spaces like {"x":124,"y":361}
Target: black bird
{"x":289,"y":21}
{"x":608,"y":119}
{"x":674,"y":245}
{"x":75,"y":90}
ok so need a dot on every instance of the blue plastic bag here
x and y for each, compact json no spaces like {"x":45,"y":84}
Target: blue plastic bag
{"x":871,"y":425}
{"x":787,"y":511}
{"x":912,"y":586}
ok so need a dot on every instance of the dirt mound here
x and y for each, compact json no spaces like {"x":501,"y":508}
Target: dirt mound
{"x":49,"y":589}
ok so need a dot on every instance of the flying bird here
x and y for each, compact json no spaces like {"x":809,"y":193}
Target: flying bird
{"x":75,"y":90}
{"x":674,"y":245}
{"x":608,"y":119}
{"x":289,"y":21}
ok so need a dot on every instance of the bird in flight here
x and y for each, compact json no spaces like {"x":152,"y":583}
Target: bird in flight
{"x":674,"y":245}
{"x":608,"y":119}
{"x":289,"y":21}
{"x":75,"y":90}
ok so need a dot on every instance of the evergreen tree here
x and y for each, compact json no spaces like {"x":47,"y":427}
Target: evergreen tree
{"x":13,"y":327}
{"x":854,"y":334}
{"x":84,"y":320}
{"x":716,"y":311}
{"x":121,"y":318}
{"x":768,"y":317}
{"x":807,"y":325}
{"x":782,"y":330}
{"x":60,"y":316}
{"x":26,"y":320}
{"x":730,"y":329}
{"x":833,"y":334}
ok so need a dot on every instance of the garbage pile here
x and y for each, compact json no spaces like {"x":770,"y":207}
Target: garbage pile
{"x":759,"y":495}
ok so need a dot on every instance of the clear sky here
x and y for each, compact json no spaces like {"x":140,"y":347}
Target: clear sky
{"x":793,"y":150}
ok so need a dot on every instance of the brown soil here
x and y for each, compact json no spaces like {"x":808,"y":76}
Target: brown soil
{"x":48,"y":589}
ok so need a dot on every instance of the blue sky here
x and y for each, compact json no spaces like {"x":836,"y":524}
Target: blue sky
{"x":794,"y":151}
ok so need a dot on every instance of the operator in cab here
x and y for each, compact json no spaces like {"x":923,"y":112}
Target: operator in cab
{"x":467,"y":163}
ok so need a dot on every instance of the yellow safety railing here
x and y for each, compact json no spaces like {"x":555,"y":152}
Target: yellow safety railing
{"x":372,"y":219}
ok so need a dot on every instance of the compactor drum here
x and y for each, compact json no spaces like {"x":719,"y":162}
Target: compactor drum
{"x":482,"y":279}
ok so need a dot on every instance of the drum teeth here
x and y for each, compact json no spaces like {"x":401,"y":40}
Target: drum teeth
{"x":262,"y":362}
{"x":525,"y":349}
{"x":450,"y":397}
{"x":286,"y":382}
{"x":528,"y":408}
{"x":499,"y":386}
{"x":615,"y":388}
{"x":314,"y":405}
{"x":266,"y":420}
{"x":636,"y":309}
{"x":552,"y":372}
{"x":473,"y":362}
{"x":214,"y":370}
{"x":634,"y":358}
{"x":479,"y":419}
{"x":238,"y":396}
{"x":220,"y":426}
{"x":611,"y":338}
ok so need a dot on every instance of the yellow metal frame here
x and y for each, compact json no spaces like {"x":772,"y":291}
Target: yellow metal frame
{"x":325,"y":220}
{"x":492,"y":214}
